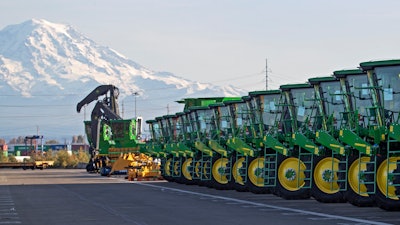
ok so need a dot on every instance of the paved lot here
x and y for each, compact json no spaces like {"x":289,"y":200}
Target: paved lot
{"x":75,"y":197}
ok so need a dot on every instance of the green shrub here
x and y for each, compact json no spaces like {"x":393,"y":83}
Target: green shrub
{"x":65,"y":160}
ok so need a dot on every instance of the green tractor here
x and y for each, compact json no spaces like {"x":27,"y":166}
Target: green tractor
{"x":110,"y":136}
{"x":330,"y":167}
{"x":335,"y":138}
{"x":355,"y":123}
{"x":384,"y":131}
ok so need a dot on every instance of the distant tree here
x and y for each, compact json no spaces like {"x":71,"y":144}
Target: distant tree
{"x":49,"y":155}
{"x":3,"y":158}
{"x":19,"y":140}
{"x":80,"y":139}
{"x":51,"y":142}
{"x":2,"y":141}
{"x":12,"y":158}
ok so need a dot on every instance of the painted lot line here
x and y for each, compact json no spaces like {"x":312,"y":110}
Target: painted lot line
{"x":8,"y":214}
{"x":292,"y":210}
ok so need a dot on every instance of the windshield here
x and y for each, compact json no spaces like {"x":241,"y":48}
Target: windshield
{"x":389,"y":80}
{"x":303,"y":100}
{"x":223,"y":120}
{"x":155,"y":130}
{"x":360,"y":98}
{"x":265,"y":113}
{"x":332,"y":100}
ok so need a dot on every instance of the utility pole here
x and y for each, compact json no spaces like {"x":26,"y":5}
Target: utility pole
{"x":37,"y":133}
{"x":84,"y":119}
{"x":122,"y":106}
{"x":266,"y":74}
{"x":135,"y":94}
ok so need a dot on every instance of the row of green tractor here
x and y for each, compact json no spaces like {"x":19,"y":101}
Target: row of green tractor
{"x":334,"y":138}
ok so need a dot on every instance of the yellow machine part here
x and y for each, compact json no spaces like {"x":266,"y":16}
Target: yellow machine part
{"x":137,"y":164}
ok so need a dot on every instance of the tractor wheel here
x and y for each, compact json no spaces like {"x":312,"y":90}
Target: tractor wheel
{"x":187,"y":171}
{"x":291,"y":178}
{"x":386,"y":197}
{"x":206,"y":175}
{"x":396,"y":179}
{"x":325,"y":187}
{"x":220,"y":177}
{"x":196,"y":175}
{"x":356,"y":192}
{"x":177,"y":170}
{"x":167,"y":170}
{"x":256,"y":176}
{"x":238,"y":175}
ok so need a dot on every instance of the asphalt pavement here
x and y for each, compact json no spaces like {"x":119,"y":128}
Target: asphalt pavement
{"x":57,"y":196}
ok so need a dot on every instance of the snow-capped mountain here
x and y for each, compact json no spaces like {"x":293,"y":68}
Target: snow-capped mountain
{"x":47,"y":68}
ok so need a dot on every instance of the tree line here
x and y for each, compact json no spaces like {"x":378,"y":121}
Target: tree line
{"x":76,"y":139}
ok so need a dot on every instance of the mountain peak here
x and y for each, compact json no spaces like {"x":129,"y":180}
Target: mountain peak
{"x":46,"y":61}
{"x":28,"y":27}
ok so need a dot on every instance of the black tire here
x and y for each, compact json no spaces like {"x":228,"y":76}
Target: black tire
{"x":324,"y":188}
{"x":105,"y":171}
{"x":356,"y":193}
{"x":255,"y":173}
{"x":285,"y":187}
{"x":387,"y":200}
{"x":90,"y":166}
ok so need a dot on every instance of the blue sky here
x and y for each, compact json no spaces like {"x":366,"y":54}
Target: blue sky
{"x":227,"y":42}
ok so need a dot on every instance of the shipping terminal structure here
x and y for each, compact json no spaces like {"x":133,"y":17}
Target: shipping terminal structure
{"x":333,"y":138}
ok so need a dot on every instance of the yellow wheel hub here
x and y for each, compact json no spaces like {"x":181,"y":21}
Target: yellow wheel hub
{"x":185,"y":168}
{"x":167,"y":167}
{"x":235,"y":170}
{"x":256,"y":172}
{"x":384,"y":182}
{"x":291,"y":174}
{"x":355,"y":178}
{"x":218,"y":170}
{"x":325,"y":176}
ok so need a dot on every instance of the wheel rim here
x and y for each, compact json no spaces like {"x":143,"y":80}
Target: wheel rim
{"x":324,"y":176}
{"x":355,"y":178}
{"x":167,"y":167}
{"x":256,"y":172}
{"x":385,"y":183}
{"x":236,"y":170}
{"x":219,"y":170}
{"x":176,"y":168}
{"x":197,"y":169}
{"x":291,"y":175}
{"x":185,"y":169}
{"x":205,"y":172}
